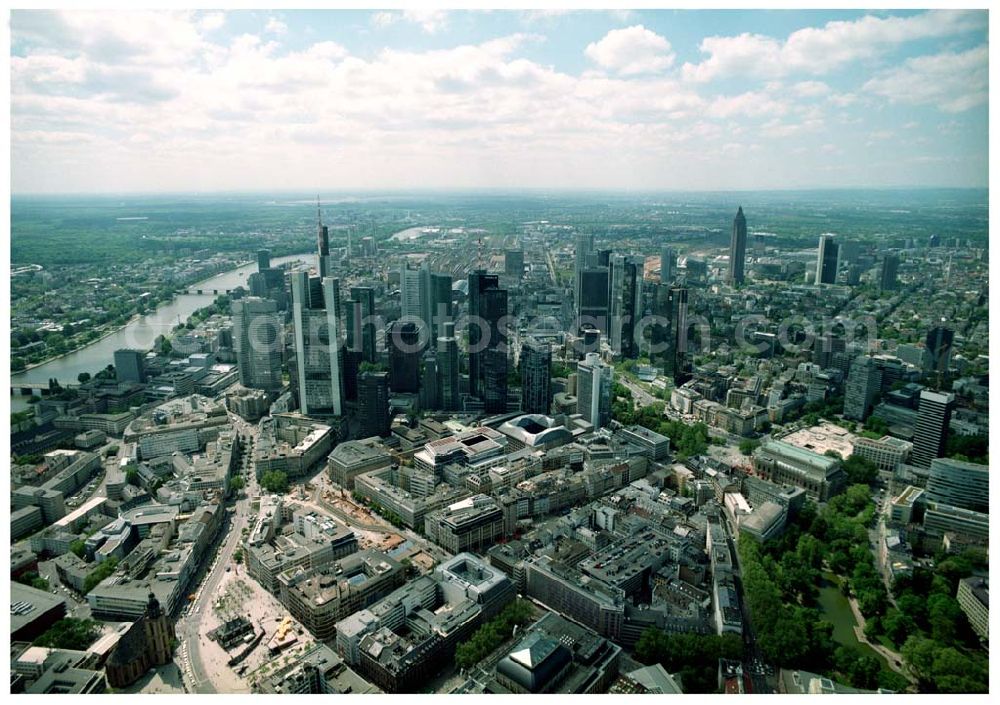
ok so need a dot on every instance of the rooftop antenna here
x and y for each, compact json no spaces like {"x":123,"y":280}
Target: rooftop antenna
{"x":479,"y":253}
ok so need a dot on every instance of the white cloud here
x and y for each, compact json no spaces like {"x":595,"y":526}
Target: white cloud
{"x":211,"y":21}
{"x":750,"y":104}
{"x":145,"y":101}
{"x":954,"y":82}
{"x":431,"y":21}
{"x":810,"y":89}
{"x":632,"y":50}
{"x":275,"y":26}
{"x":820,"y":50}
{"x":384,"y":19}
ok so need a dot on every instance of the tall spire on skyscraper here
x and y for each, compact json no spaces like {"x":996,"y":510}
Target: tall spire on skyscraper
{"x":322,"y":240}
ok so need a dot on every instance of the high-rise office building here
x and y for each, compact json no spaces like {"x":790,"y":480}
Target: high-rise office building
{"x":319,"y":363}
{"x":361,"y":322}
{"x":593,"y":302}
{"x":825,"y":347}
{"x":668,"y":265}
{"x":737,"y":249}
{"x":268,"y":282}
{"x":487,"y":342}
{"x":861,"y":389}
{"x":959,"y":483}
{"x":888,"y":273}
{"x":442,"y":308}
{"x":411,"y":298}
{"x":257,"y":338}
{"x":939,"y":340}
{"x":373,"y":404}
{"x":536,"y":376}
{"x":130,"y":365}
{"x":584,"y":246}
{"x":677,"y":302}
{"x":513,"y":261}
{"x":594,"y":380}
{"x":405,"y":350}
{"x":849,"y":251}
{"x":931,"y":432}
{"x":625,"y":301}
{"x":826,"y":261}
{"x":322,"y":244}
{"x":447,"y":368}
{"x":430,"y":385}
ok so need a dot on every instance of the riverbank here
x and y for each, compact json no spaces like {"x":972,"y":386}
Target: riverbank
{"x":182,"y":289}
{"x":123,"y":326}
{"x":139,"y":333}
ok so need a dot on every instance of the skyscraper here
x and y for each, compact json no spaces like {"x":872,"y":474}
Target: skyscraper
{"x":678,"y":349}
{"x":361,"y":322}
{"x":584,"y":246}
{"x":257,"y":337}
{"x":405,"y":350}
{"x":824,"y":348}
{"x":863,"y":384}
{"x":594,"y":382}
{"x":373,"y":404}
{"x":625,"y":300}
{"x":430,"y":385}
{"x":441,"y":305}
{"x":514,"y":263}
{"x":887,"y":278}
{"x":939,"y":340}
{"x":487,"y":344}
{"x":263,"y":260}
{"x":737,"y":249}
{"x":826,"y":261}
{"x":318,"y":349}
{"x":536,"y":376}
{"x":410,"y":300}
{"x":593,"y":302}
{"x":931,"y":432}
{"x":960,"y":484}
{"x":668,"y":265}
{"x":447,"y":367}
{"x":322,"y":243}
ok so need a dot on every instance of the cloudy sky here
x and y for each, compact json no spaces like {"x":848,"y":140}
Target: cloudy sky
{"x":243,"y":100}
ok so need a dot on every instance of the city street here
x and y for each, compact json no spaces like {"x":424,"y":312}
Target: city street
{"x":193,"y":624}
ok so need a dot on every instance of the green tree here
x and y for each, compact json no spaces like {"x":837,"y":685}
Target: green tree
{"x":70,"y":633}
{"x":78,"y":547}
{"x":274,"y":481}
{"x":748,"y":445}
{"x":860,"y":470}
{"x":102,"y":571}
{"x":83,"y":377}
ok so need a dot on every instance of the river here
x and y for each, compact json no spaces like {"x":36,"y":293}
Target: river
{"x":141,"y":332}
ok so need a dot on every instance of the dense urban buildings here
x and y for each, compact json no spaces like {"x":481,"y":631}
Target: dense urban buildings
{"x":508,"y":442}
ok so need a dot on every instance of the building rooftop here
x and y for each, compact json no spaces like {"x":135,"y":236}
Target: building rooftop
{"x":27,"y":604}
{"x":823,"y":437}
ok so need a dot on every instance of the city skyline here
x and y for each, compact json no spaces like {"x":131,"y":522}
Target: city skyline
{"x":384,"y":100}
